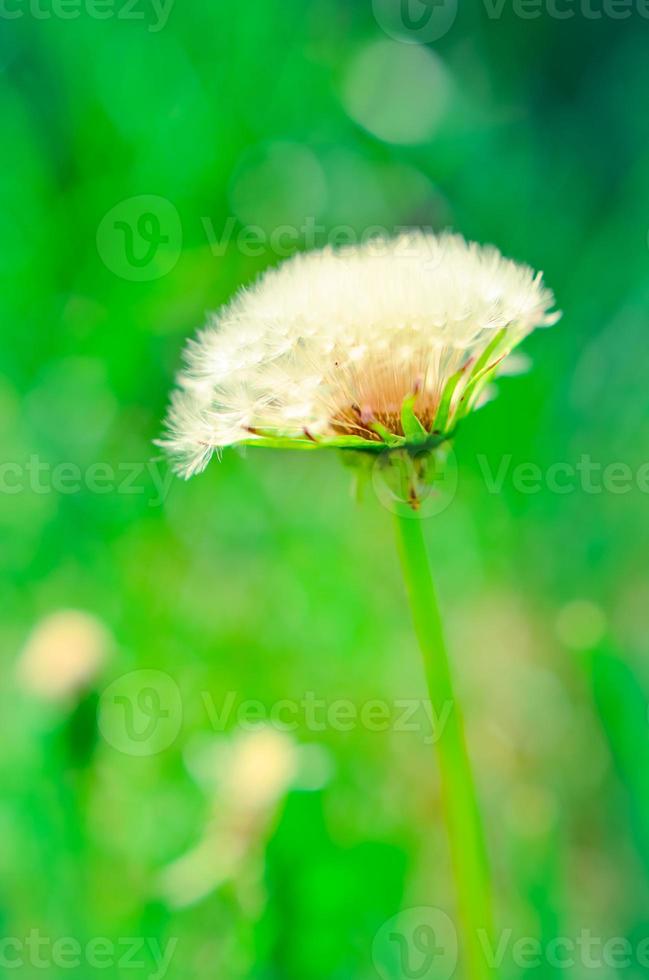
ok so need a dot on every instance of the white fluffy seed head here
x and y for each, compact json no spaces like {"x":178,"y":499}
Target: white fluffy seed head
{"x":328,"y":346}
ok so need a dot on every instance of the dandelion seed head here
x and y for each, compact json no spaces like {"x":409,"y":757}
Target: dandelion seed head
{"x":331,"y":343}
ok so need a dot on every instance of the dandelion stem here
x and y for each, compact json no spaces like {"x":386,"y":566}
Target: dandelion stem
{"x":468,"y":852}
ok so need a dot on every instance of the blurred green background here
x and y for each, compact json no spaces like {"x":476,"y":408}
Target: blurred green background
{"x":154,"y":160}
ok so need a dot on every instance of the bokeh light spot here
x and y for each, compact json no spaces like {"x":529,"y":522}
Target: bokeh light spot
{"x":278,"y":184}
{"x":581,"y":624}
{"x":399,"y":92}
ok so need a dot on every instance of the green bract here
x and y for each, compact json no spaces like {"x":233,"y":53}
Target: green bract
{"x":461,"y":394}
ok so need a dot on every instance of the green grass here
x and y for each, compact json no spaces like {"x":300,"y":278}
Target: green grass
{"x":263,"y":577}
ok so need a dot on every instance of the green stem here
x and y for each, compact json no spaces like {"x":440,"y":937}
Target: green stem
{"x":464,"y":826}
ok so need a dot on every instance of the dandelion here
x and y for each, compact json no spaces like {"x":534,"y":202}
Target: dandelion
{"x":380,"y":351}
{"x":247,"y":777}
{"x":380,"y":346}
{"x":63,"y":655}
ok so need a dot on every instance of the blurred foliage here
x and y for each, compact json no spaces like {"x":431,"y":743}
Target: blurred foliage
{"x":262,"y":577}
